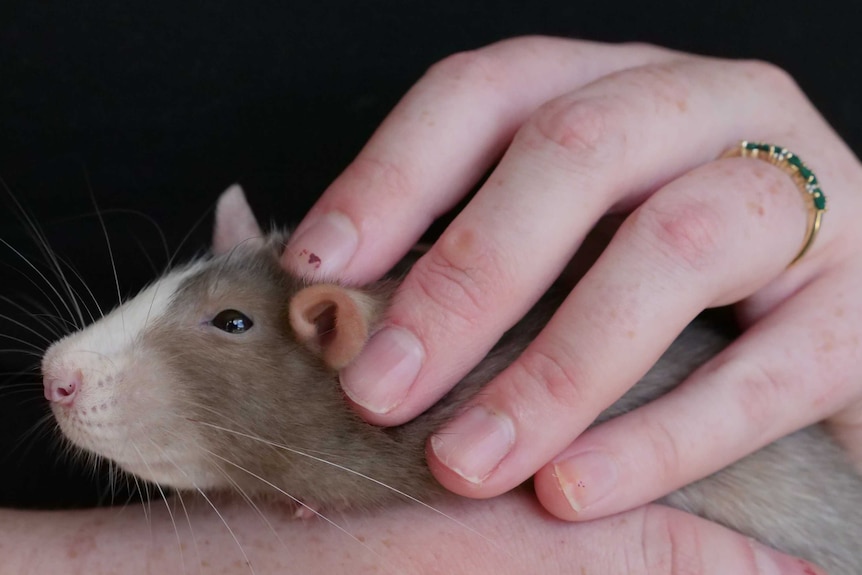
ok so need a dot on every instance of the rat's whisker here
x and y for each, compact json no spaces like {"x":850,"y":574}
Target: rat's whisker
{"x":44,"y":293}
{"x":41,"y":318}
{"x":217,"y":512}
{"x":37,"y":354}
{"x":179,"y":496}
{"x":188,"y":235}
{"x":28,"y":384}
{"x":25,"y":327}
{"x":144,"y":501}
{"x":41,"y":241}
{"x":223,"y":417}
{"x":23,"y":342}
{"x":146,"y":255}
{"x":232,"y":534}
{"x":39,"y":429}
{"x":110,"y":249}
{"x":47,"y":282}
{"x":26,"y":297}
{"x":137,"y":213}
{"x":251,"y":502}
{"x":358,"y":474}
{"x":299,"y":502}
{"x":84,"y":284}
{"x":167,"y":506}
{"x":34,"y":396}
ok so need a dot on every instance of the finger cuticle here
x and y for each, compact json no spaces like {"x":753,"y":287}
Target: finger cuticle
{"x":586,"y":478}
{"x":325,"y":247}
{"x":381,"y":377}
{"x":475,"y":443}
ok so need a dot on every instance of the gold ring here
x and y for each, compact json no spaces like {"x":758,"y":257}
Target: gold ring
{"x":802,"y":176}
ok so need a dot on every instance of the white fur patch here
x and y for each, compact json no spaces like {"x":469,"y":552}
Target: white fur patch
{"x":122,"y":326}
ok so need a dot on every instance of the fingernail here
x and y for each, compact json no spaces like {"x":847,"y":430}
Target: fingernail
{"x":766,"y":565}
{"x":586,"y":478}
{"x":771,"y":562}
{"x":475,"y":443}
{"x":325,"y":247}
{"x":381,"y":376}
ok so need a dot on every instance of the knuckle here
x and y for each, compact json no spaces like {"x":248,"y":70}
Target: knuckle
{"x":460,"y":275}
{"x":774,"y":77}
{"x":659,"y":89}
{"x":554,"y":372}
{"x":672,"y":547}
{"x":665,"y":450}
{"x":660,"y":79}
{"x":760,"y":390}
{"x":687,"y":232}
{"x":646,"y":47}
{"x":539,"y":46}
{"x":577,"y":127}
{"x":472,"y":67}
{"x":387,"y":179}
{"x":527,"y":42}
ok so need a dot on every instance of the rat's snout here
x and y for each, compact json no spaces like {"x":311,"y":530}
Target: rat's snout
{"x":62,"y":388}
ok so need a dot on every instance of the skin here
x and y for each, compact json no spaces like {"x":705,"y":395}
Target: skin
{"x":582,"y":130}
{"x":650,"y":540}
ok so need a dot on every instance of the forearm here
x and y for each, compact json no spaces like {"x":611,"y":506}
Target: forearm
{"x":494,"y":537}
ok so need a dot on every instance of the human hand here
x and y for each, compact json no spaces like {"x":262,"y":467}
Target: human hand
{"x":242,"y":539}
{"x":587,"y":129}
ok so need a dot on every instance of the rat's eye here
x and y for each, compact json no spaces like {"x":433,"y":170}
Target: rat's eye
{"x":232,"y":321}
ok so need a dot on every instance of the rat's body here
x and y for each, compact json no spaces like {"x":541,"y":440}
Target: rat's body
{"x":173,"y":398}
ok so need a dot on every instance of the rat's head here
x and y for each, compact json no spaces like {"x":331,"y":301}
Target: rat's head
{"x":199,"y":372}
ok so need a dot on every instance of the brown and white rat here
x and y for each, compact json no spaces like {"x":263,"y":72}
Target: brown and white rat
{"x":223,"y":375}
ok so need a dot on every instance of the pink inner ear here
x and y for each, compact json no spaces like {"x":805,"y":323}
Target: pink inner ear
{"x":329,"y":320}
{"x":321,"y":319}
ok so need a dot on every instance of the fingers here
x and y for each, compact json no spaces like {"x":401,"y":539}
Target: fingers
{"x":561,"y":173}
{"x":757,"y":390}
{"x":436,"y":144}
{"x":674,"y":256}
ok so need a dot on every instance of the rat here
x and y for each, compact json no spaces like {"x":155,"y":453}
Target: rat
{"x":222,"y":375}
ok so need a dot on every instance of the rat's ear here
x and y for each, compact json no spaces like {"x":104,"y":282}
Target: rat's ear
{"x":333,"y":321}
{"x":234,"y":221}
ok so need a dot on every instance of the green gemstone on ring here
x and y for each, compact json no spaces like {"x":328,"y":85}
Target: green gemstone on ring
{"x":790,"y":164}
{"x":819,"y":199}
{"x":786,"y":156}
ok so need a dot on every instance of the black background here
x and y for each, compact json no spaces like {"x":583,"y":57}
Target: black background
{"x":155,"y":107}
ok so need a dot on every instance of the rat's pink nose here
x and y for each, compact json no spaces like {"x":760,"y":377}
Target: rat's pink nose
{"x":62,"y":389}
